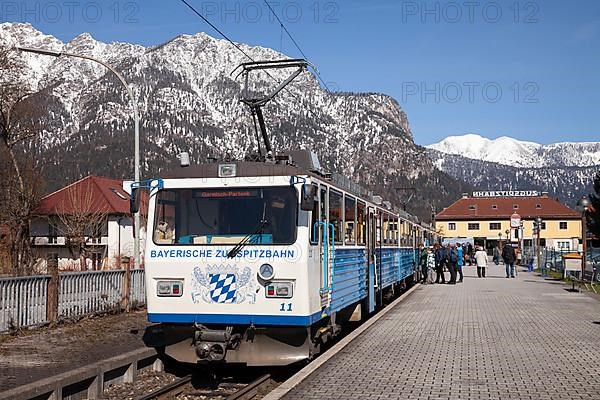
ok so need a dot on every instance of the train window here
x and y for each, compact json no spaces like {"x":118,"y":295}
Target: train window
{"x":379,"y":228}
{"x":350,"y":219}
{"x":323,"y":199}
{"x":226,"y":216}
{"x":164,"y":231}
{"x":390,"y":229}
{"x":314,"y":236}
{"x":335,"y":214}
{"x":360,"y":223}
{"x":385,"y":227}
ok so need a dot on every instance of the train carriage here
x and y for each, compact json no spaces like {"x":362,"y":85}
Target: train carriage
{"x":262,"y":263}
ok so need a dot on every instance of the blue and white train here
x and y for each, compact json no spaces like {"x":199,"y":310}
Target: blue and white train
{"x":262,"y":263}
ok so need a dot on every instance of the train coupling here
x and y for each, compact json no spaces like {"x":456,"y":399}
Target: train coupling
{"x":212,"y":344}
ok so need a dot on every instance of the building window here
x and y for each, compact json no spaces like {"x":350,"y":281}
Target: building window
{"x":564,"y":245}
{"x":515,"y":206}
{"x":472,"y":207}
{"x":52,"y":233}
{"x":542,"y":242}
{"x":473,"y":226}
{"x":543,"y":225}
{"x":538,"y":206}
{"x":562,"y":225}
{"x":451,"y":226}
{"x":494,"y":206}
{"x":495,"y":226}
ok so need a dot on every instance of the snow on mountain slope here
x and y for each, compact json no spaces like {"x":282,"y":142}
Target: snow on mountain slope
{"x":516,"y":153}
{"x":189,"y":101}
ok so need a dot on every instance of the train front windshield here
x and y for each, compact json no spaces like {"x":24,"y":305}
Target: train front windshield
{"x":226,"y":216}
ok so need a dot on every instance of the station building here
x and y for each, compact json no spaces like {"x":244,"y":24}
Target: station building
{"x":484,"y":218}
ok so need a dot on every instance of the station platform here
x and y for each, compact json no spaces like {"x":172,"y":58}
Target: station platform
{"x":43,"y":353}
{"x":493,"y":338}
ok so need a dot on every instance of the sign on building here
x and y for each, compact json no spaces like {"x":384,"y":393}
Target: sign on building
{"x":507,"y":193}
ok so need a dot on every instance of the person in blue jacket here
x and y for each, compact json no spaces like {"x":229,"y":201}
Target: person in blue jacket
{"x":461,"y":261}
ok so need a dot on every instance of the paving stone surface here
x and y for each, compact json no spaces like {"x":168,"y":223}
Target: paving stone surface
{"x":492,"y":338}
{"x":43,"y":353}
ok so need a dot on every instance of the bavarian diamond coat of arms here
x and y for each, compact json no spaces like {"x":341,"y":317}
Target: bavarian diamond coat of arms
{"x":223,"y":285}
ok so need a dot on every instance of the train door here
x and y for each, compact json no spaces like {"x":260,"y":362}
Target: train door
{"x":324,"y":234}
{"x":372,"y":256}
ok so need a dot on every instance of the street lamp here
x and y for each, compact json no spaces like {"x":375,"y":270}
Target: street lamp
{"x":136,"y":119}
{"x":507,"y":234}
{"x":583,"y":205}
{"x":538,"y":250}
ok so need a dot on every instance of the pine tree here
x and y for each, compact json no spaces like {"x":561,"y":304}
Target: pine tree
{"x":594,"y":210}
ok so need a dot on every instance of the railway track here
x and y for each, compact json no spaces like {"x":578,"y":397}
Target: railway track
{"x":225,"y":390}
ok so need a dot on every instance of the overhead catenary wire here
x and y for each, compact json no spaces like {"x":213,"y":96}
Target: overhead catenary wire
{"x":283,"y":27}
{"x":238,"y":47}
{"x":216,"y":29}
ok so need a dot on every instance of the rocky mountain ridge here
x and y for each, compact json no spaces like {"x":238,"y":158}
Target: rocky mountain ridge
{"x":190,"y":102}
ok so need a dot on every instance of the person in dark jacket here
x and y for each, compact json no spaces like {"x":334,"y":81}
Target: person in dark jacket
{"x":509,"y":257}
{"x":451,"y":261}
{"x":423,"y":263}
{"x":470,"y":253}
{"x":440,"y":260}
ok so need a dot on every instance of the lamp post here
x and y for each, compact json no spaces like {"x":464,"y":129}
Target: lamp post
{"x":136,"y":119}
{"x":507,"y":235}
{"x":583,"y":205}
{"x":538,"y":249}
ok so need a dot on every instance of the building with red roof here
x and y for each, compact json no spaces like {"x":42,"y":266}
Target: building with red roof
{"x":484,"y":218}
{"x":95,"y":205}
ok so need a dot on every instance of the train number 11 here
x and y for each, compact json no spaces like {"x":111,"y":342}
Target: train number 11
{"x":284,"y":308}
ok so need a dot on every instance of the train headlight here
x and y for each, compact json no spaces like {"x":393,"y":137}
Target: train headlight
{"x":169,"y":288}
{"x":283,"y":290}
{"x":266,"y":272}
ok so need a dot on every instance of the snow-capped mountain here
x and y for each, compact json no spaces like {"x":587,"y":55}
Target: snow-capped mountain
{"x":516,"y":153}
{"x":564,"y":170}
{"x":189,"y":101}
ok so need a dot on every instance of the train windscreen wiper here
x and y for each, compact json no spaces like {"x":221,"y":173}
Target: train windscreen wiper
{"x":248,"y":239}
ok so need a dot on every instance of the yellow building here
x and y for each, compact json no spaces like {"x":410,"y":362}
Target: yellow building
{"x":484,"y":218}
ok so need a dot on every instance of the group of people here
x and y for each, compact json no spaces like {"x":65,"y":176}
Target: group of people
{"x":453,"y":257}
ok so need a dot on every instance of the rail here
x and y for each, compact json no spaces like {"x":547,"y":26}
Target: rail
{"x":24,"y":300}
{"x":179,"y":386}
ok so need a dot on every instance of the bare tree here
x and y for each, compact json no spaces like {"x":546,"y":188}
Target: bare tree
{"x":19,"y":128}
{"x":83,"y":221}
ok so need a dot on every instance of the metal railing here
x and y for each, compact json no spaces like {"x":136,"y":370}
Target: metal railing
{"x":24,"y":300}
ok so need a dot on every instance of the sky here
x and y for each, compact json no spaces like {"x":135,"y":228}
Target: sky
{"x":524,"y":69}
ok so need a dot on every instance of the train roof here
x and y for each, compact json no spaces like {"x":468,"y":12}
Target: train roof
{"x":243,"y":169}
{"x":285,"y":168}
